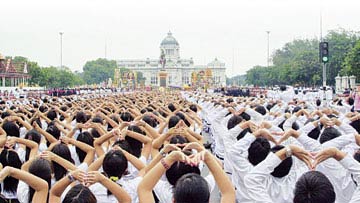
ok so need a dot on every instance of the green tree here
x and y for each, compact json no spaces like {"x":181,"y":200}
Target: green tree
{"x":352,"y":62}
{"x":99,"y":70}
{"x":341,"y":42}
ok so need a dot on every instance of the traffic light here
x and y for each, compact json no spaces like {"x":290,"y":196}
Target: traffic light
{"x":324,"y":52}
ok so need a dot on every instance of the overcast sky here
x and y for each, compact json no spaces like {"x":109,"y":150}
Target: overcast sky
{"x":231,"y":30}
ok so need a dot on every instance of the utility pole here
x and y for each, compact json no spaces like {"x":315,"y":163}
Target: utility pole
{"x":61,"y":62}
{"x":268,"y":48}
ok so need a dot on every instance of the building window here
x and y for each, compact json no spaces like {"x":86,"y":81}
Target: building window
{"x":154,"y":80}
{"x":185,"y":80}
{"x":170,"y":79}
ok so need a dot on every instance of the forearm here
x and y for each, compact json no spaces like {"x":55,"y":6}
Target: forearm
{"x":120,"y":194}
{"x":226,"y":188}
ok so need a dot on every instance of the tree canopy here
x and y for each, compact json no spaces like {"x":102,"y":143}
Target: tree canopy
{"x":297,"y":62}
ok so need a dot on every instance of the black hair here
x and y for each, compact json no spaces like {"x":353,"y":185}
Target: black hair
{"x":149,"y":120}
{"x":233,"y":121}
{"x":173,"y":121}
{"x":123,"y":144}
{"x":284,"y":167}
{"x":10,"y":158}
{"x":94,"y":133}
{"x":245,"y":116}
{"x":191,"y":187}
{"x":282,"y":88}
{"x":81,"y":117}
{"x":115,"y":158}
{"x":314,"y":133}
{"x":178,"y":139}
{"x":43,"y":109}
{"x":178,"y":169}
{"x":11,"y":129}
{"x":258,"y":150}
{"x":356,"y":125}
{"x":328,"y":134}
{"x":97,"y":119}
{"x":171,"y":107}
{"x":32,"y":135}
{"x":351,"y":101}
{"x":260,"y":109}
{"x":126,"y":116}
{"x":193,"y":108}
{"x":229,"y":100}
{"x":314,"y":187}
{"x":136,"y":145}
{"x":318,"y":102}
{"x":52,"y":115}
{"x":54,"y":131}
{"x":79,"y":194}
{"x":86,"y":138}
{"x":182,"y":117}
{"x":63,"y":151}
{"x":5,"y":114}
{"x":42,"y":169}
{"x":296,"y":109}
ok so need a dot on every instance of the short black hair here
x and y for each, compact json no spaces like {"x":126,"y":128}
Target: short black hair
{"x":284,"y":167}
{"x":191,"y":187}
{"x":314,"y":187}
{"x":258,"y":150}
{"x":178,"y":169}
{"x":328,"y":134}
{"x":233,"y":121}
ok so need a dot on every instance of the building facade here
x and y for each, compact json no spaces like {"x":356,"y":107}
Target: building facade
{"x":178,"y":71}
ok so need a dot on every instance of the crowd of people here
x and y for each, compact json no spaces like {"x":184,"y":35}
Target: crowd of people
{"x":148,"y":147}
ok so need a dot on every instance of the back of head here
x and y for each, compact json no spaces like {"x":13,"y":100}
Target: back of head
{"x":356,"y":125}
{"x":314,"y":187}
{"x":86,"y":138}
{"x":284,"y":167}
{"x":136,"y":145}
{"x":126,"y":116}
{"x":115,"y":163}
{"x":258,"y":150}
{"x":149,"y":120}
{"x":178,"y":139}
{"x":79,"y":194}
{"x":329,"y":134}
{"x":11,"y":129}
{"x":10,"y":158}
{"x":42,"y":169}
{"x":233,"y":121}
{"x":282,"y":88}
{"x":63,"y":151}
{"x":81,"y":117}
{"x":260,"y":109}
{"x":178,"y":169}
{"x":191,"y":188}
{"x":173,"y":121}
{"x":193,"y":108}
{"x":171,"y":107}
{"x":52,"y":115}
{"x":32,"y":135}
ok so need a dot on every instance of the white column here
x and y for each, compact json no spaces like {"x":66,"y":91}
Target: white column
{"x":352,"y":81}
{"x":338,"y":83}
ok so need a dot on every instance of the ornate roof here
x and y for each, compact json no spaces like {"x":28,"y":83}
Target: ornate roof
{"x":169,"y":40}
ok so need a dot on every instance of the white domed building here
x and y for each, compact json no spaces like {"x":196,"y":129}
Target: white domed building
{"x":178,"y":71}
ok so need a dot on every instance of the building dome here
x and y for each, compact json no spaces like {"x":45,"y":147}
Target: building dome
{"x":169,"y":40}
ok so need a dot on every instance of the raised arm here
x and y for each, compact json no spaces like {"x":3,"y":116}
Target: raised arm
{"x":39,"y":185}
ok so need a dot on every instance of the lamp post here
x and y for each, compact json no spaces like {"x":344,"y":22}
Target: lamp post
{"x":61,"y":34}
{"x":268,"y":48}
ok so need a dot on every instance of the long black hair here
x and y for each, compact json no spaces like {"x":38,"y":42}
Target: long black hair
{"x":42,"y":169}
{"x":86,"y":138}
{"x":63,"y":151}
{"x":32,"y":135}
{"x":10,"y":158}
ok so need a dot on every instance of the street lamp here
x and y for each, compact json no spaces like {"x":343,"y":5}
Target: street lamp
{"x":268,"y":48}
{"x":61,"y":34}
